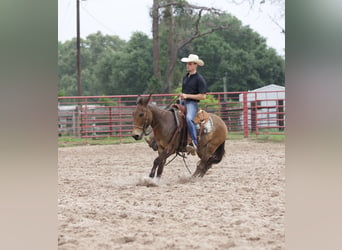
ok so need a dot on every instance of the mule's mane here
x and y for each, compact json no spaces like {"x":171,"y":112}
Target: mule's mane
{"x":155,"y":107}
{"x":159,"y":115}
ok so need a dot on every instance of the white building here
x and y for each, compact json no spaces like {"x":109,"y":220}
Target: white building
{"x":68,"y":117}
{"x":265,"y":107}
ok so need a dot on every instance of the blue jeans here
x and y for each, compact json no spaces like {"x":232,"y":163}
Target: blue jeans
{"x":191,"y":111}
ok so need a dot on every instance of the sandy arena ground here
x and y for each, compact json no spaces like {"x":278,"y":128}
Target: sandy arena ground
{"x":105,"y":200}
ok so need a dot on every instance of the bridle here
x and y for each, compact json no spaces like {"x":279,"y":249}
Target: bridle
{"x":145,"y":125}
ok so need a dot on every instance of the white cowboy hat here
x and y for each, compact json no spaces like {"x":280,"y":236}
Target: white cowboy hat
{"x":193,"y":58}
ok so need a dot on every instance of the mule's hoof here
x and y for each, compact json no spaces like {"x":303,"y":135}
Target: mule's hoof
{"x":157,"y":180}
{"x":147,"y":182}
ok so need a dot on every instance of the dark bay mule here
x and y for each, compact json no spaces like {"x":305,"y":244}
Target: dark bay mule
{"x":210,"y":146}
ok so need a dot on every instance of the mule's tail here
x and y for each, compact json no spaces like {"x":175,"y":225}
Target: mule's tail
{"x":218,"y":155}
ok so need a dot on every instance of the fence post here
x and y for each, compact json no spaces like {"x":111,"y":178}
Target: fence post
{"x":253,"y":116}
{"x":78,"y":118}
{"x":110,"y":121}
{"x":120,"y":119}
{"x":86,"y":120}
{"x":219,"y":105}
{"x":256,"y":115}
{"x":245,"y":115}
{"x":280,"y":114}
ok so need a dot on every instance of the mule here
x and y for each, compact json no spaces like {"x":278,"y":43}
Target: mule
{"x":211,"y":146}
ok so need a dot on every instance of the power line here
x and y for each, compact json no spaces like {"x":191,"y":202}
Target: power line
{"x":66,"y":11}
{"x":96,"y":20}
{"x":66,"y":17}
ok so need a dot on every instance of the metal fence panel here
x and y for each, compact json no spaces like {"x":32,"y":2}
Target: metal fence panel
{"x":99,"y":117}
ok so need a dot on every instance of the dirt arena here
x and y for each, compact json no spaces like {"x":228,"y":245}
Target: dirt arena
{"x":105,"y":200}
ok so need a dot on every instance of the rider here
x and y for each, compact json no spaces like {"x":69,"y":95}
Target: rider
{"x":194,"y":89}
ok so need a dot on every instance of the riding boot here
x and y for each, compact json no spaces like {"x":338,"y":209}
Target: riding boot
{"x":191,"y":147}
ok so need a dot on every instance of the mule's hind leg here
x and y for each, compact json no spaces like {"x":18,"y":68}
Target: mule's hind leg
{"x":205,"y":169}
{"x":200,"y":169}
{"x":204,"y":164}
{"x":210,"y":155}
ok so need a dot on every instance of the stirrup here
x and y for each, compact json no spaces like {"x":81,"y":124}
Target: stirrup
{"x":192,"y":149}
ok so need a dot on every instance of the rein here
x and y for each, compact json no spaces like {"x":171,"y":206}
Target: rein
{"x":145,"y":126}
{"x":173,"y":101}
{"x":183,"y":157}
{"x":178,"y":131}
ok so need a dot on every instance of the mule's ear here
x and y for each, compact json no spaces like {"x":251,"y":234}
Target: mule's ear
{"x":139,"y":100}
{"x":149,"y":98}
{"x":146,"y":100}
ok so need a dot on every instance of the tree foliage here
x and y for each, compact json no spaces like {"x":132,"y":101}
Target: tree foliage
{"x":181,"y":24}
{"x":243,"y":56}
{"x":112,"y":66}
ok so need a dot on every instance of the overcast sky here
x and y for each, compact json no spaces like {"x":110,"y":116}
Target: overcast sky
{"x":122,"y":18}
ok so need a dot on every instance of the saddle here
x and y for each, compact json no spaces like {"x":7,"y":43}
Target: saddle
{"x":179,"y":112}
{"x":179,"y":107}
{"x":203,"y":122}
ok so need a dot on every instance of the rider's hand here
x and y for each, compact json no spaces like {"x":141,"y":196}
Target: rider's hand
{"x":182,"y":96}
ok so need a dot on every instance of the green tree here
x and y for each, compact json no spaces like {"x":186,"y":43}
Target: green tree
{"x":242,"y":55}
{"x":131,"y":69}
{"x":94,"y":49}
{"x":181,"y":23}
{"x":67,"y":67}
{"x":111,"y":66}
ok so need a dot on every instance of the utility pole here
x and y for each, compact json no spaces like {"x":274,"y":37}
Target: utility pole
{"x":79,"y":91}
{"x":225,"y":86}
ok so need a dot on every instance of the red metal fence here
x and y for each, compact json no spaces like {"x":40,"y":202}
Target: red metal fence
{"x":99,"y":117}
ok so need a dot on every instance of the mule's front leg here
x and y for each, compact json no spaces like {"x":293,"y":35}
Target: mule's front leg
{"x":161,"y":167}
{"x":156,"y":163}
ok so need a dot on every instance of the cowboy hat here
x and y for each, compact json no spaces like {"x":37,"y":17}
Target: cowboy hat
{"x":193,"y":58}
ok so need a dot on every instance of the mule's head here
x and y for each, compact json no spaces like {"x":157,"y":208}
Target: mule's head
{"x":141,"y":118}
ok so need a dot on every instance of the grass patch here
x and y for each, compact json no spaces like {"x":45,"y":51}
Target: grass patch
{"x":252,"y":136}
{"x":75,"y":141}
{"x":235,"y":135}
{"x":67,"y":141}
{"x":271,"y":137}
